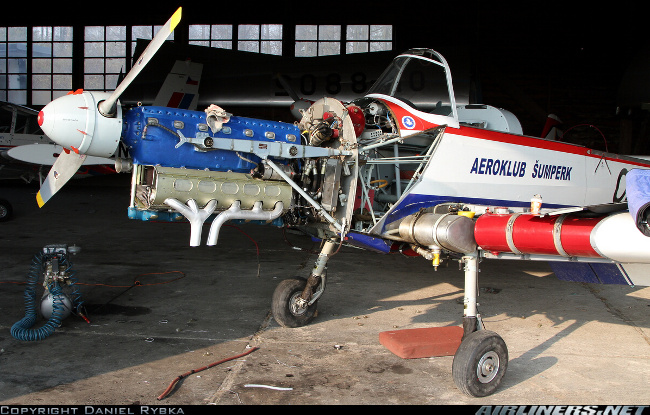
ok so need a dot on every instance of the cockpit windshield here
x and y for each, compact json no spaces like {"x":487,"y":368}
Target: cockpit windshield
{"x":421,"y":79}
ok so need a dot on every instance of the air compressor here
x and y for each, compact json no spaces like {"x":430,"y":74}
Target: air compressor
{"x":60,"y":298}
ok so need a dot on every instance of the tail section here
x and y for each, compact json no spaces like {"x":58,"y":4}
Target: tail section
{"x":181,"y":87}
{"x":551,"y":129}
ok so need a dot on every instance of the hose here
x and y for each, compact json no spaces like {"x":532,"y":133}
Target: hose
{"x":22,"y":330}
{"x":184,"y":375}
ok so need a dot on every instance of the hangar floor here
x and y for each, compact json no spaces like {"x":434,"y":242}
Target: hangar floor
{"x":568,"y":342}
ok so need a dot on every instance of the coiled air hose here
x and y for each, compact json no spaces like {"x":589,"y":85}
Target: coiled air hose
{"x":22,"y":330}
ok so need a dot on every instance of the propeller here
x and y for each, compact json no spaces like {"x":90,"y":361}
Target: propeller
{"x":90,"y":123}
{"x":299,"y":104}
{"x":107,"y":107}
{"x":65,"y":166}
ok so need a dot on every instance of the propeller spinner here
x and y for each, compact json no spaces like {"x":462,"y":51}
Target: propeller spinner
{"x":90,"y":123}
{"x":74,"y":122}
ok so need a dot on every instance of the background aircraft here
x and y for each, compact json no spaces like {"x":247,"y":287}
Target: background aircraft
{"x":18,"y":126}
{"x":253,"y":84}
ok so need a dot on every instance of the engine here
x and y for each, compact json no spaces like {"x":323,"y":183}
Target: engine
{"x":192,"y":164}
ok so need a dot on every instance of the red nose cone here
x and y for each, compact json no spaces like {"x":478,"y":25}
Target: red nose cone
{"x":40,"y":118}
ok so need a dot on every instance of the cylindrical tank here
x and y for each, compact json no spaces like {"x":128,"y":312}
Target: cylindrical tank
{"x":63,"y":302}
{"x":613,"y":237}
{"x":529,"y":234}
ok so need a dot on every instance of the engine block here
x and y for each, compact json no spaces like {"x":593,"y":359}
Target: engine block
{"x":155,"y":184}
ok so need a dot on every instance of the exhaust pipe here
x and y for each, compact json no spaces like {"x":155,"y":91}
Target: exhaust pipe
{"x":452,"y":232}
{"x":197,"y":216}
{"x":234,"y":212}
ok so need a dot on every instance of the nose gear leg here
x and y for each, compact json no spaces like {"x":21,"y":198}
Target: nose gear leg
{"x":317,"y":276}
{"x":471,"y":316}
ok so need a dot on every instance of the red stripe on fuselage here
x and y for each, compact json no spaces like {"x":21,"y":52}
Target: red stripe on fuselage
{"x":520,"y":140}
{"x":541,"y":143}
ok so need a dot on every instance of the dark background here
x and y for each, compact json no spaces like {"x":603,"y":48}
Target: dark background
{"x":584,"y":62}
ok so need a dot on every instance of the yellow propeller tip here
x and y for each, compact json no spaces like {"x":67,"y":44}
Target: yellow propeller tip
{"x":39,"y":200}
{"x":176,"y":17}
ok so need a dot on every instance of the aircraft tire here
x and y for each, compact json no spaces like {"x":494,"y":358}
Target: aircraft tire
{"x":480,"y":363}
{"x":6,"y":211}
{"x":283,"y":305}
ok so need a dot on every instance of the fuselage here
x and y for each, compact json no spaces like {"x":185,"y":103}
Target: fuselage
{"x":482,"y":167}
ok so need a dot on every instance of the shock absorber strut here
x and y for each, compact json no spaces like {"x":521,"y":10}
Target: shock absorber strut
{"x":316,"y":276}
{"x":471,"y":316}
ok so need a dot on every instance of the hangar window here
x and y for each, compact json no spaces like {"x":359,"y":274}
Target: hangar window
{"x":144,"y":32}
{"x":265,"y":38}
{"x":104,"y":56}
{"x":368,"y":38}
{"x":323,"y":40}
{"x":13,"y":64}
{"x":318,"y":40}
{"x":51,"y":72}
{"x":216,"y":35}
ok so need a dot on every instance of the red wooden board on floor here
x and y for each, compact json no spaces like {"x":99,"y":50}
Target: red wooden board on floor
{"x":424,"y":342}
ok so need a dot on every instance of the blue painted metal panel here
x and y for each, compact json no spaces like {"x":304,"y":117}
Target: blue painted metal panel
{"x":609,"y":273}
{"x":596,"y":273}
{"x":168,"y":216}
{"x":155,"y":144}
{"x":574,"y":272}
{"x":368,"y":242}
{"x":638,"y":198}
{"x":154,"y":215}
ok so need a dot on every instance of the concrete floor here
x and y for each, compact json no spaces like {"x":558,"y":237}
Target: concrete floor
{"x":568,"y":342}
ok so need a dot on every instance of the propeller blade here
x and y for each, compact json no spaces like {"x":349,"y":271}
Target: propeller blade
{"x":107,"y":107}
{"x":299,"y":104}
{"x":285,"y":84}
{"x":65,"y":166}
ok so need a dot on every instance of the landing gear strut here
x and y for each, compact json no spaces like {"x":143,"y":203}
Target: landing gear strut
{"x":294,"y":300}
{"x":482,"y":357}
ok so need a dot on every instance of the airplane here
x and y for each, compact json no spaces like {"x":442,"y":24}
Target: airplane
{"x":25,"y":149}
{"x":443,"y":181}
{"x":253,"y":83}
{"x":18,"y":126}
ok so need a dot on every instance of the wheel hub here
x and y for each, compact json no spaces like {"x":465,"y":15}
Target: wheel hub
{"x":487,"y":367}
{"x":297,"y":305}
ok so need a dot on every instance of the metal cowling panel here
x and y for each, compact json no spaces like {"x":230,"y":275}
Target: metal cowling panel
{"x":151,"y":133}
{"x":224,"y":187}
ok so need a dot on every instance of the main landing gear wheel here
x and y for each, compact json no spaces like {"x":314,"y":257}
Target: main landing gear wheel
{"x":480,"y":363}
{"x":286,"y":304}
{"x":5,"y":210}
